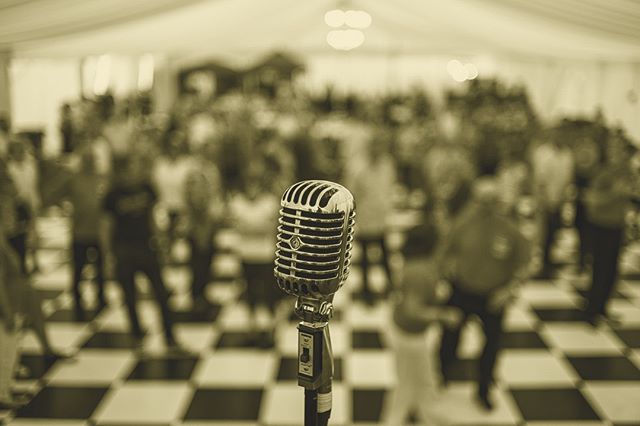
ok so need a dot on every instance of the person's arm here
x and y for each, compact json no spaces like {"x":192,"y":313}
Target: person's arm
{"x":7,"y":313}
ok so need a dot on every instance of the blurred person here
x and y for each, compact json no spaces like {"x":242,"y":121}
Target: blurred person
{"x":372,"y":184}
{"x":25,"y":300}
{"x":4,"y":136}
{"x":9,"y":276}
{"x":512,"y":177}
{"x":608,"y":200}
{"x":129,"y":204}
{"x":205,"y":211}
{"x":415,"y":309}
{"x":587,"y":158}
{"x":86,"y":193}
{"x":483,"y":257}
{"x":66,"y":129}
{"x":553,"y":170}
{"x":255,"y":212}
{"x":23,"y":169}
{"x":170,"y":172}
{"x":448,"y":175}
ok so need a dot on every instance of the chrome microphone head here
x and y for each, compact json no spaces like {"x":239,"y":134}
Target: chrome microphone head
{"x":315,"y":238}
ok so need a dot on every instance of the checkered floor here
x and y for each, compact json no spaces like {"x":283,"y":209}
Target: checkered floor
{"x":553,"y":369}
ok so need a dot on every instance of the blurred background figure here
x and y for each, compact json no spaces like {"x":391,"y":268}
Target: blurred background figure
{"x":134,"y":242}
{"x":552,"y":174}
{"x":608,"y":200}
{"x":416,"y":308}
{"x":484,"y":257}
{"x":255,"y":215}
{"x":205,"y":212}
{"x":23,"y":169}
{"x":66,"y":129}
{"x":373,"y":184}
{"x":86,"y":194}
{"x":170,"y":173}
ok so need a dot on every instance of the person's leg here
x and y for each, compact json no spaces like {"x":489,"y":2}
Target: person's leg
{"x":451,"y":336}
{"x":492,"y":327}
{"x":125,"y":275}
{"x":364,"y":268}
{"x":35,"y":317}
{"x":19,"y":244}
{"x":598,"y":273}
{"x":151,"y":267}
{"x":8,"y":361}
{"x":99,"y":265}
{"x":614,"y":239}
{"x":79,"y":253}
{"x":582,"y":226}
{"x":200,"y":269}
{"x":387,"y":265}
{"x":552,"y":224}
{"x":252,"y":292}
{"x":408,"y":360}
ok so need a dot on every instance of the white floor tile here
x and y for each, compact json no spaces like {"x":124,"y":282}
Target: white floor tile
{"x":92,"y":367}
{"x":581,"y":339}
{"x":367,"y":369}
{"x":456,"y":405}
{"x":534,"y":368}
{"x":618,"y":401}
{"x":236,"y":368}
{"x":144,"y":403}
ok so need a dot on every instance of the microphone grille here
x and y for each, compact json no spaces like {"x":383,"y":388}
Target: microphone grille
{"x":315,"y":238}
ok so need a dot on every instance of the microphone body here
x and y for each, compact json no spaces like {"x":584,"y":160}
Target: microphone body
{"x":314,"y":243}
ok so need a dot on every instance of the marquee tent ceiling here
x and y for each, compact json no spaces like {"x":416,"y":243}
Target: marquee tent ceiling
{"x":186,"y":30}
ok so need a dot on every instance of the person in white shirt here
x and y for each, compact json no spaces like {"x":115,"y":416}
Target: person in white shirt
{"x":170,"y":174}
{"x":553,"y":166}
{"x":23,"y":170}
{"x":372,"y":184}
{"x":255,"y":212}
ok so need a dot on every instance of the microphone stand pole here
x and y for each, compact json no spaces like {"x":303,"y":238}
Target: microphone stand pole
{"x":315,"y":359}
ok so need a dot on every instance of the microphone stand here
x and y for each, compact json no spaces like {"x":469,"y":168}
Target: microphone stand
{"x":315,"y":359}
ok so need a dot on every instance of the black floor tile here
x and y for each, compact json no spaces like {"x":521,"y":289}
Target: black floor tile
{"x":49,"y":294}
{"x":631,"y":338}
{"x":36,"y":366}
{"x":198,"y":317}
{"x":367,"y":404}
{"x":288,"y":369}
{"x":68,"y":315}
{"x":522,"y":340}
{"x":163,"y":369}
{"x":614,"y":295}
{"x":463,"y":370}
{"x":225,"y":404}
{"x":605,"y":368}
{"x":366,"y":340}
{"x":241,"y":339}
{"x":111,"y":340}
{"x":553,"y":404}
{"x":63,"y":403}
{"x":560,"y":315}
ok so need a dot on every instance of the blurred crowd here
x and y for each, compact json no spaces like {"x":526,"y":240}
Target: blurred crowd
{"x":473,"y":170}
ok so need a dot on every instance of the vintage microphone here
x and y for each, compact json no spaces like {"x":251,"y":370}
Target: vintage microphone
{"x":313,"y":255}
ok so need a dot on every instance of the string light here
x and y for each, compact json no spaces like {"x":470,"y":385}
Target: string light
{"x":461,"y":72}
{"x":350,"y":37}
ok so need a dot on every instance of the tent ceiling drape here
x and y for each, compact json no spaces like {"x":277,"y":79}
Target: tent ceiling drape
{"x":189,"y":29}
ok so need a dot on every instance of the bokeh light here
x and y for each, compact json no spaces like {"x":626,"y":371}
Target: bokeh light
{"x":335,"y":18}
{"x":345,"y":39}
{"x":358,"y":19}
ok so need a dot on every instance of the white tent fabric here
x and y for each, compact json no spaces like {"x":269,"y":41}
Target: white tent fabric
{"x":574,"y":55}
{"x":575,"y":29}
